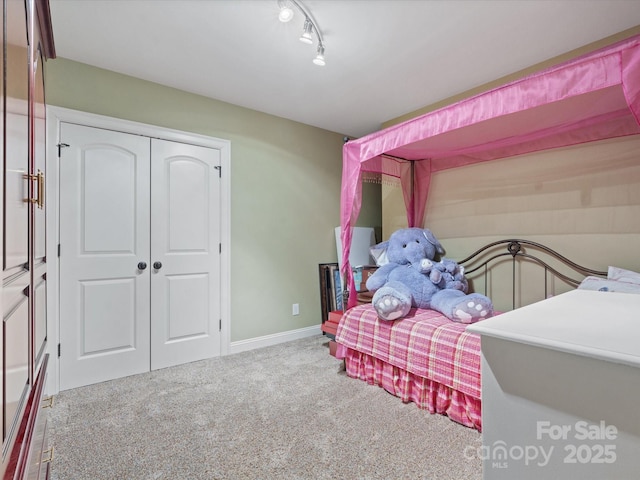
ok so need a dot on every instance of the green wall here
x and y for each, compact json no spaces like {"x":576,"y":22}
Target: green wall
{"x":285,"y":188}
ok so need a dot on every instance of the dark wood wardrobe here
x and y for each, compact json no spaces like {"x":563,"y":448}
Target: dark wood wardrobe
{"x":27,"y":41}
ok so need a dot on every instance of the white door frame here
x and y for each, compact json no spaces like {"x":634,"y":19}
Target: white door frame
{"x":56,"y":115}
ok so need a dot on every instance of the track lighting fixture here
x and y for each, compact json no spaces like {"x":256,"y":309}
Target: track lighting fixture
{"x":310,"y":26}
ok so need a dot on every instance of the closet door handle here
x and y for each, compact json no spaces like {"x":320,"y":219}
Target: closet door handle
{"x":142,"y":265}
{"x":157,"y":265}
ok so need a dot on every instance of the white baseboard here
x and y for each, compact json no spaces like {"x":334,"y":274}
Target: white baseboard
{"x":274,"y":339}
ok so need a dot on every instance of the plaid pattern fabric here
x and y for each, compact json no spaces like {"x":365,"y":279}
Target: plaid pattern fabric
{"x":424,"y":343}
{"x":426,"y":394}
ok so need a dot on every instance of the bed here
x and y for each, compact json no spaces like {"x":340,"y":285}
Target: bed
{"x":429,"y":360}
{"x":424,"y":358}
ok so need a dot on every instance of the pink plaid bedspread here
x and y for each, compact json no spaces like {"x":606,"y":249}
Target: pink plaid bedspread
{"x":424,"y":343}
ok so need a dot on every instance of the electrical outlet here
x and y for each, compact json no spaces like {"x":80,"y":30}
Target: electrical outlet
{"x":295,"y":309}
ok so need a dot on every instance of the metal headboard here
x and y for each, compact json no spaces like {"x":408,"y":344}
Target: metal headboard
{"x":517,"y":250}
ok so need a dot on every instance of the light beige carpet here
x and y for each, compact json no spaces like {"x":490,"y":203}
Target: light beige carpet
{"x":282,"y":412}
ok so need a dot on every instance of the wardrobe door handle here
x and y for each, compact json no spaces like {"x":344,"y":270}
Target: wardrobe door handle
{"x":157,"y":265}
{"x":142,"y":265}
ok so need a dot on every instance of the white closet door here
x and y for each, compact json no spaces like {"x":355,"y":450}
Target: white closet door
{"x":185,"y":255}
{"x":104,"y":234}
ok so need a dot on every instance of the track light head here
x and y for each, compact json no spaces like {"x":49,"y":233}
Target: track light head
{"x":306,"y":33}
{"x":319,"y":60}
{"x":286,"y":11}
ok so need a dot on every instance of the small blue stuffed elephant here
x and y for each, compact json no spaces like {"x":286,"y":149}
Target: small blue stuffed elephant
{"x":409,"y":277}
{"x":452,"y":275}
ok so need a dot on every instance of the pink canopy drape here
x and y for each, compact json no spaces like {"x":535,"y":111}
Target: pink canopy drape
{"x":593,"y":97}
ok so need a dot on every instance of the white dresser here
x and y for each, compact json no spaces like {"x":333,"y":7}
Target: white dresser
{"x":561,"y":389}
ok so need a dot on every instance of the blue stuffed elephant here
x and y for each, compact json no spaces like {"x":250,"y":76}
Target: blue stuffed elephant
{"x":409,"y":276}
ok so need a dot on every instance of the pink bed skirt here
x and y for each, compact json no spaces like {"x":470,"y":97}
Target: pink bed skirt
{"x":426,"y":394}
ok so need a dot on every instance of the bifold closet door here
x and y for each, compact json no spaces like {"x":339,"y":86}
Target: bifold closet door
{"x":139,"y":254}
{"x":104,"y":249}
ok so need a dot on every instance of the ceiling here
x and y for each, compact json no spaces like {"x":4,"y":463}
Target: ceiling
{"x":384,"y":58}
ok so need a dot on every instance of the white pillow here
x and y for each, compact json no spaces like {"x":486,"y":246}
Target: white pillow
{"x":606,"y":285}
{"x":622,"y":275}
